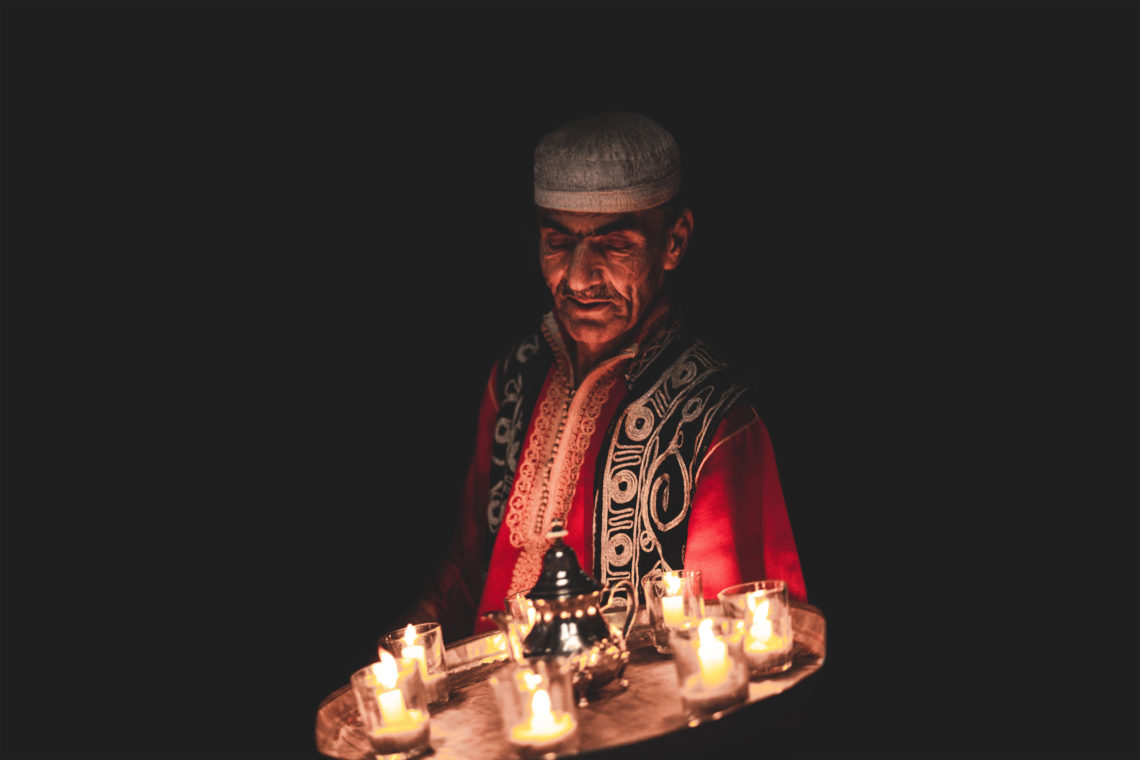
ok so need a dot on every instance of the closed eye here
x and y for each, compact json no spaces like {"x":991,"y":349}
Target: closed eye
{"x":559,"y":242}
{"x":620,"y":244}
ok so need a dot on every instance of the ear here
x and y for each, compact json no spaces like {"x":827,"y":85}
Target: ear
{"x":678,"y":241}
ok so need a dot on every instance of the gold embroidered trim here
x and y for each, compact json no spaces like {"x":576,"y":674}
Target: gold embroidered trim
{"x":548,"y":475}
{"x":540,"y":452}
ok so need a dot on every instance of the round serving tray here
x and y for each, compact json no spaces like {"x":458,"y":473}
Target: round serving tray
{"x":468,"y":727}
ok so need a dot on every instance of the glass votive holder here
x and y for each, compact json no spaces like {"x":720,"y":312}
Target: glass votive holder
{"x":521,"y":616}
{"x":393,"y":707}
{"x":768,"y":636}
{"x":538,"y":707}
{"x":712,"y":671}
{"x":423,"y":643}
{"x":674,"y":599}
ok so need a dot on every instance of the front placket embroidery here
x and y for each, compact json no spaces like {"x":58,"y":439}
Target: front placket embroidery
{"x":559,"y":440}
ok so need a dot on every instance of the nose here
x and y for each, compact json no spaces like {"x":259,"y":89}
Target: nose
{"x":584,"y":268}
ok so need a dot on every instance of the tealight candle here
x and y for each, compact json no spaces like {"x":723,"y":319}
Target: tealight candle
{"x":537,"y":705}
{"x":544,"y":729}
{"x":673,"y":604}
{"x":762,"y":606}
{"x":674,"y":599}
{"x":393,"y":707}
{"x":765,"y":649}
{"x":710,"y":666}
{"x":713,"y":656}
{"x":412,"y":651}
{"x":393,"y":711}
{"x":423,"y":645}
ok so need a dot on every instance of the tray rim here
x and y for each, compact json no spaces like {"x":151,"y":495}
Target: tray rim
{"x":815,"y":664}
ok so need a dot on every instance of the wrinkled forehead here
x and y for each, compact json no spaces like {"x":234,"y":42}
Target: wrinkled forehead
{"x":587,"y":224}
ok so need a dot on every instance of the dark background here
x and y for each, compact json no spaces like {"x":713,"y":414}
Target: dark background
{"x":258,"y":258}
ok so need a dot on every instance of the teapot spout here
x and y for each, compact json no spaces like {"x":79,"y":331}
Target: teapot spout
{"x":502,"y":621}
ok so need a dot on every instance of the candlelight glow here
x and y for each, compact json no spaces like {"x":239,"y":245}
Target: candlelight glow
{"x":543,"y":727}
{"x":385,"y":670}
{"x":541,"y":721}
{"x":672,"y":604}
{"x":531,"y":679}
{"x":713,"y":655}
{"x":761,"y":625}
{"x":495,"y":644}
{"x":410,"y":635}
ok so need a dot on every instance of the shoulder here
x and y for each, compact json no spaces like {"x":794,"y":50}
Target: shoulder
{"x":746,"y":379}
{"x":691,"y":359}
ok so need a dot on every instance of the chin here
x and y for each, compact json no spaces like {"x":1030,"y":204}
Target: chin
{"x":592,"y":334}
{"x":583,"y":328}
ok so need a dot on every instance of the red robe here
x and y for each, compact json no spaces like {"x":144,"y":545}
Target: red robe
{"x":738,"y":527}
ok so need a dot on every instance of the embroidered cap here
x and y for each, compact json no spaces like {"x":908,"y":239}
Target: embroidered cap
{"x":609,"y":163}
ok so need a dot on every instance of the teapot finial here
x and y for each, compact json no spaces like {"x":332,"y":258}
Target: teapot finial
{"x":561,"y":575}
{"x":557,"y":529}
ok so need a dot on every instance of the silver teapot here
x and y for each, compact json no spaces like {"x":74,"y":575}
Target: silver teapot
{"x":567,"y":618}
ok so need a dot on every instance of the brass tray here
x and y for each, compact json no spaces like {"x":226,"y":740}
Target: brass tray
{"x":468,"y":727}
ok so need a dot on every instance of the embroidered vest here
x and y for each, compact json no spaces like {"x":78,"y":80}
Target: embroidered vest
{"x":643,"y":483}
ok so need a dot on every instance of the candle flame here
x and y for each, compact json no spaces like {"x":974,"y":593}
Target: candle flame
{"x":541,"y":718}
{"x":672,"y":584}
{"x":712,"y":654}
{"x":531,"y":679}
{"x":410,"y":635}
{"x":761,"y":625}
{"x":385,"y":670}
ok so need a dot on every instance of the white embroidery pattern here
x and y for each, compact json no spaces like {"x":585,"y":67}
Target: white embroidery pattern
{"x":646,"y":477}
{"x":507,"y":434}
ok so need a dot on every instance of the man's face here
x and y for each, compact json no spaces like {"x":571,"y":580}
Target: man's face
{"x":605,"y":269}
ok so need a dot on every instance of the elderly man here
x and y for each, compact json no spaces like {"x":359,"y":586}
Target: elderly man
{"x":610,"y":417}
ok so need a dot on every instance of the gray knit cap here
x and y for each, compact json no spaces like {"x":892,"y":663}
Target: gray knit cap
{"x":611,"y":163}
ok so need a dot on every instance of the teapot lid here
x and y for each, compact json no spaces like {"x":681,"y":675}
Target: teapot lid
{"x":562,"y":575}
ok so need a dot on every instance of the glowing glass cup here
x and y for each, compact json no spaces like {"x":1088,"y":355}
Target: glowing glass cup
{"x":424,"y":644}
{"x":538,"y":707}
{"x":521,"y":617}
{"x":712,"y":671}
{"x":768,"y":638}
{"x":674,"y":599}
{"x":393,"y":706}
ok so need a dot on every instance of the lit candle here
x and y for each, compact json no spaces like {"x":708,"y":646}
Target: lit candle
{"x":713,"y":656}
{"x":400,"y":728}
{"x":413,"y":651}
{"x":414,"y":646}
{"x":391,"y":699}
{"x":761,"y":631}
{"x":766,"y":650}
{"x":544,"y":728}
{"x":673,"y":603}
{"x":718,"y":681}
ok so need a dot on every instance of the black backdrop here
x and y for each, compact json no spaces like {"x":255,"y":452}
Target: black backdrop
{"x":258,"y":258}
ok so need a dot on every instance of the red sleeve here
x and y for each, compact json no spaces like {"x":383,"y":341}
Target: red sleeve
{"x":739,"y":529}
{"x":454,"y":596}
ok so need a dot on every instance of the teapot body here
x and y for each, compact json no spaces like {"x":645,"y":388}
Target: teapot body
{"x":568,"y":619}
{"x":574,"y":626}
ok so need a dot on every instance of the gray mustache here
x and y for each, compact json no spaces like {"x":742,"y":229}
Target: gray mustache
{"x":598,"y":293}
